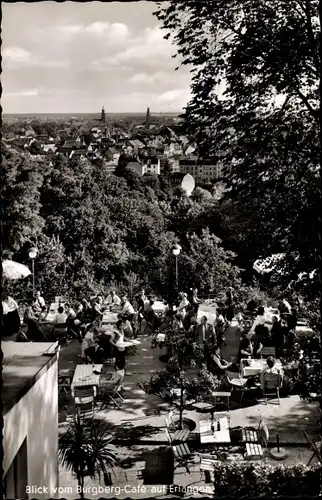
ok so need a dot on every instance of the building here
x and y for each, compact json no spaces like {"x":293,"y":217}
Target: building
{"x":30,"y":418}
{"x":103,"y":115}
{"x":148,"y":116}
{"x":201,"y":169}
{"x":148,"y":165}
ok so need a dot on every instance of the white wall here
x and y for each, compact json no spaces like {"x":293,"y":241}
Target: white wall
{"x":35,"y":416}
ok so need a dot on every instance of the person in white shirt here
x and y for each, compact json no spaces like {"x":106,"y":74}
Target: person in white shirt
{"x":61,"y":317}
{"x":259,"y":320}
{"x":183,"y":304}
{"x":11,"y":318}
{"x":127,"y":309}
{"x":40,"y":300}
{"x":113,"y":299}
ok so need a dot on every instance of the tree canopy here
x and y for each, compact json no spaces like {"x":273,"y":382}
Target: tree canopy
{"x":255,"y":106}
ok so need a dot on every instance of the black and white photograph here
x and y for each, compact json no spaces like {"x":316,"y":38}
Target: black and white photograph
{"x":160,"y":243}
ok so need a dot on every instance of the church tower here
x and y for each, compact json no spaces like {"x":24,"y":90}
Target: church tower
{"x":147,"y":118}
{"x":103,"y":115}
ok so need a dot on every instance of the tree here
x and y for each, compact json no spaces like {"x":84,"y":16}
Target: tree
{"x":35,"y":148}
{"x":189,"y":389}
{"x":84,"y":450}
{"x":255,"y":106}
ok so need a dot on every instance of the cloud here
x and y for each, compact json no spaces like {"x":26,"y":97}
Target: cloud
{"x":145,"y":78}
{"x":16,"y":57}
{"x":24,"y":93}
{"x":114,"y":32}
{"x":149,"y":47}
{"x":171,"y":96}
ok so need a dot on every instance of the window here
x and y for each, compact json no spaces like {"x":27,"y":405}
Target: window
{"x":16,"y":479}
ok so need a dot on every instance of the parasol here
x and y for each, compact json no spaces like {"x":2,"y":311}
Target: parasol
{"x":14,"y":271}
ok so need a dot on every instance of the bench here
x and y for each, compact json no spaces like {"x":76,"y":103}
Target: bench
{"x":254,"y":451}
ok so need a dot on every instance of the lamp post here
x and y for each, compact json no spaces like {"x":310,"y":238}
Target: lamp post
{"x":176,"y":252}
{"x":33,"y":252}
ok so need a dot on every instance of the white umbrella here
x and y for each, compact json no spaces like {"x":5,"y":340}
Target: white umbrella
{"x":269,"y":264}
{"x":14,"y":271}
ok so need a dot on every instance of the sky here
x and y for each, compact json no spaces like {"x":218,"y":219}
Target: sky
{"x":75,"y":58}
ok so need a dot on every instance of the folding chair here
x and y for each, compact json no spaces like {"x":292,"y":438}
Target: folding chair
{"x":84,"y":399}
{"x":60,"y":332}
{"x":178,"y":436}
{"x":181,"y":452}
{"x":235,"y":381}
{"x":259,"y":435}
{"x":110,"y":392}
{"x":315,"y":446}
{"x":271,"y":387}
{"x":207,"y":463}
{"x":64,"y":382}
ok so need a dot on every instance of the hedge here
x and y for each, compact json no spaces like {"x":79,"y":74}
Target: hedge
{"x":260,"y":480}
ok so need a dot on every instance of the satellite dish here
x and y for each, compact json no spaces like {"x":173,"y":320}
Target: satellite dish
{"x":188,"y":184}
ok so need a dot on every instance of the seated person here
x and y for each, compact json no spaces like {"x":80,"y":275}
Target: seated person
{"x":177,"y":323}
{"x":34,"y":331}
{"x":113,"y":300}
{"x":149,"y":313}
{"x":127,"y":308}
{"x":290,"y":340}
{"x":217,"y":364}
{"x":126,"y":326}
{"x":245,"y":348}
{"x":61,"y":317}
{"x":257,"y":344}
{"x":259,"y":320}
{"x":270,"y":369}
{"x":88,"y":342}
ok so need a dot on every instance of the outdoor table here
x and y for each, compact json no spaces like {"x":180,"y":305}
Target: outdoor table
{"x":250,"y":367}
{"x":109,"y":318}
{"x":84,"y":375}
{"x":217,"y":437}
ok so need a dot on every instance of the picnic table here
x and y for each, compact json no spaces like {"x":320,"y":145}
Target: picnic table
{"x":250,"y":367}
{"x":84,"y":375}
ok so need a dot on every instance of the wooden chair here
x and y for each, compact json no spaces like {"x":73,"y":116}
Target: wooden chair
{"x":181,"y":452}
{"x":84,"y":399}
{"x":64,"y":382}
{"x":207,"y":463}
{"x":235,"y":381}
{"x":259,"y":435}
{"x":177,"y":436}
{"x":61,"y":332}
{"x":268,"y":351}
{"x":271,"y":385}
{"x":315,"y":446}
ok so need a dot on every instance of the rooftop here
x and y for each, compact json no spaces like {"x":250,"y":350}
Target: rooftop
{"x":22,"y":365}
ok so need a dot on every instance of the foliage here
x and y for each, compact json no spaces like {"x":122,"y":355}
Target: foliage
{"x":262,"y":480}
{"x":255,"y":107}
{"x":84,"y":450}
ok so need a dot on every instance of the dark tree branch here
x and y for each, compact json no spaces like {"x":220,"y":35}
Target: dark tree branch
{"x":304,"y":99}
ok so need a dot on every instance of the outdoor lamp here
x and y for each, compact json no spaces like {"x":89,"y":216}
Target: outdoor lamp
{"x":176,"y":249}
{"x":33,"y":252}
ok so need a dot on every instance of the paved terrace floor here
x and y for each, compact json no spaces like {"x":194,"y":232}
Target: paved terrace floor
{"x":147,"y":432}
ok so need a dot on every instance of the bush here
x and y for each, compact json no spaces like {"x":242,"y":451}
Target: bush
{"x":261,"y":480}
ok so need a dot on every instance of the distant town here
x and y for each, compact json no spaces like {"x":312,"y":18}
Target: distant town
{"x":149,"y":143}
